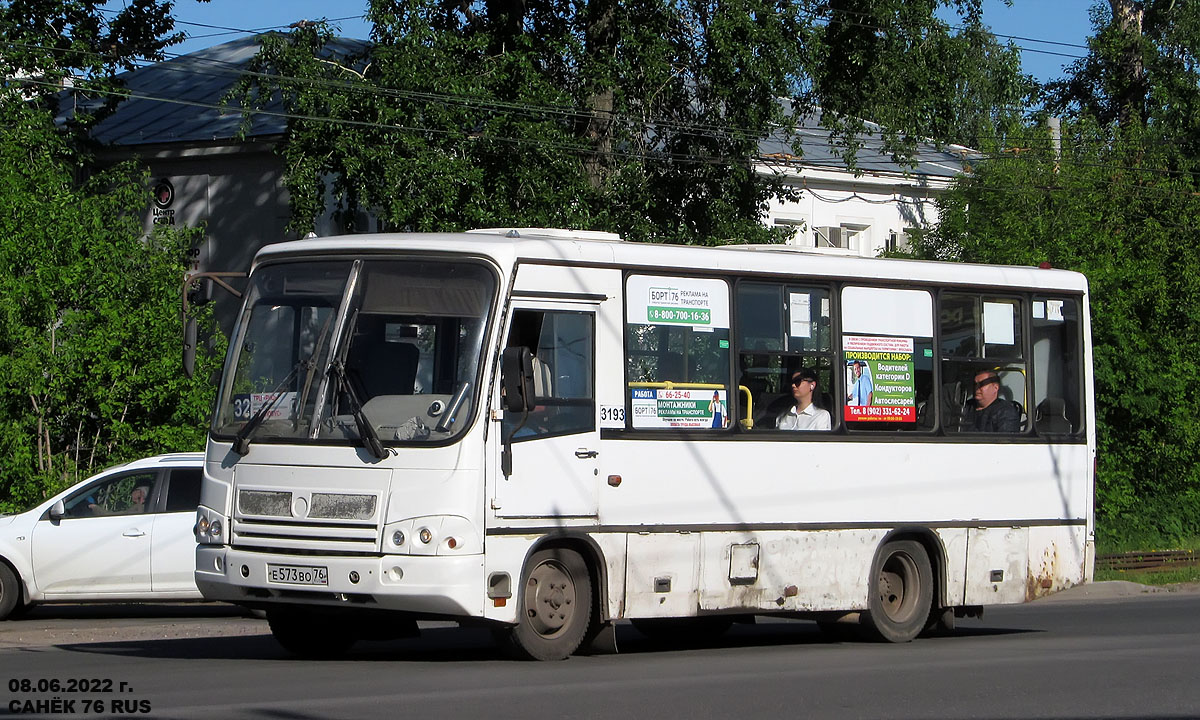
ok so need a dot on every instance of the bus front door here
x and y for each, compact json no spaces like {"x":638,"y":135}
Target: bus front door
{"x":554,"y":446}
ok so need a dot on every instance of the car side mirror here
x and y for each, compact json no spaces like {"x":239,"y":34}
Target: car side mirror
{"x":58,"y":511}
{"x":517,"y":381}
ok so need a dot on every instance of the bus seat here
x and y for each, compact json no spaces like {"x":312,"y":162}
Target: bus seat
{"x":543,"y":384}
{"x":1052,"y":416}
{"x":388,"y":368}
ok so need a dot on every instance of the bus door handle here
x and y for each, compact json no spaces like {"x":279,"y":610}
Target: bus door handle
{"x":584,"y":453}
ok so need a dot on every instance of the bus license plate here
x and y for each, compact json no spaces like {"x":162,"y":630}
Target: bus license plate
{"x":298,"y":575}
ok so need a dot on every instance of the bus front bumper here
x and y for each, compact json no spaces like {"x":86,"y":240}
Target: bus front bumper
{"x":419,"y":584}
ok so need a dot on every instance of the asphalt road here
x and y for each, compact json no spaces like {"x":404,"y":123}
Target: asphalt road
{"x":1110,"y":651}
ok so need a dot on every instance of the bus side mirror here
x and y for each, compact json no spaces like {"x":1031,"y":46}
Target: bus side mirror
{"x":57,"y":511}
{"x":516,"y":365}
{"x":189,"y":346}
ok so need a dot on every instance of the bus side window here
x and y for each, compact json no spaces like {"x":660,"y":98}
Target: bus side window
{"x":782,"y":329}
{"x":563,"y":350}
{"x":1057,"y":365}
{"x":677,"y":344}
{"x":982,"y":348}
{"x":886,"y":358}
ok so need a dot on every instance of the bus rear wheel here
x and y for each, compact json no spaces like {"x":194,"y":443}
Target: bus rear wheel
{"x":901,"y":591}
{"x":556,"y":606}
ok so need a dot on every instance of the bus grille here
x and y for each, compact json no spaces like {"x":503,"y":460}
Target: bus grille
{"x":299,"y":522}
{"x":298,"y":536}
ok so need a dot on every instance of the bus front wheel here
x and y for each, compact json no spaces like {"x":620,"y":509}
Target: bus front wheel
{"x":901,"y":591}
{"x":556,"y":606}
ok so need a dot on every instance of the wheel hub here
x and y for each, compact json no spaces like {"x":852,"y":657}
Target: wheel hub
{"x":549,"y":598}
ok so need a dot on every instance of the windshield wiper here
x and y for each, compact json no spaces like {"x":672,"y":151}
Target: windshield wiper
{"x":366,"y":430}
{"x":241,"y":441}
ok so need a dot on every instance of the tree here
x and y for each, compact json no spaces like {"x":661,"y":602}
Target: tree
{"x":89,"y":319}
{"x":641,"y":117}
{"x":896,"y":68}
{"x":89,"y":307}
{"x":1115,"y":207}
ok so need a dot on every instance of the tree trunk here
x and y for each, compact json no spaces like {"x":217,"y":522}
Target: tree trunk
{"x":601,"y":46}
{"x":1127,"y":15}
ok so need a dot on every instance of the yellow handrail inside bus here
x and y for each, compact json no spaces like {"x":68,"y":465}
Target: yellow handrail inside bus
{"x":747,"y":422}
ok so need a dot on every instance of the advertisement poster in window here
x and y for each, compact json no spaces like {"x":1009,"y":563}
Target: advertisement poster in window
{"x":679,"y":408}
{"x":674,"y":399}
{"x":880,"y":382}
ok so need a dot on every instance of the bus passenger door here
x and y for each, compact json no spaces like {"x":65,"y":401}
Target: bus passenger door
{"x":554,"y":447}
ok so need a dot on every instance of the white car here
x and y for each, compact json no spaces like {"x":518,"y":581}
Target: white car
{"x":124,"y":534}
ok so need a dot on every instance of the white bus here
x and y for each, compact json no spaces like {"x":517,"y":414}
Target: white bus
{"x":548,"y":431}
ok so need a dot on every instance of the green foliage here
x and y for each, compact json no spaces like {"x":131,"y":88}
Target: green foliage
{"x":637,"y":117}
{"x":893,"y":67}
{"x":89,"y":319}
{"x":1117,"y":208}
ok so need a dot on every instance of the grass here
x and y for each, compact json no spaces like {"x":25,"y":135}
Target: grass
{"x":1161,"y":577}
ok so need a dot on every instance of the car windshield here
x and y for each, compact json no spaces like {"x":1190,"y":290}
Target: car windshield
{"x":335,"y":351}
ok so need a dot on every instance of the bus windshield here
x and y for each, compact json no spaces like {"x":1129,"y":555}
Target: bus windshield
{"x":367,"y":351}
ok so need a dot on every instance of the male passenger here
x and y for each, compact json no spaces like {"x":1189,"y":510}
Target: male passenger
{"x":992,"y":412}
{"x":803,"y":415}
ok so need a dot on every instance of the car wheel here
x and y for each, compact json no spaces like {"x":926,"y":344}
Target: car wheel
{"x":10,"y":591}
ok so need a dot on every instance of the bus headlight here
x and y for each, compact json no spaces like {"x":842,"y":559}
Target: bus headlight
{"x":432,"y":535}
{"x":209,"y":528}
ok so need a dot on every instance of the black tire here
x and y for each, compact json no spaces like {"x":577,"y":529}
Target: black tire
{"x":940,"y":622}
{"x":310,"y":635}
{"x":685,"y":630}
{"x":10,"y":591}
{"x":556,"y":606}
{"x":901,"y":592}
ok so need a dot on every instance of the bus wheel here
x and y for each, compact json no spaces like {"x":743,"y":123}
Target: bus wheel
{"x":310,"y":635}
{"x":556,"y":606}
{"x":902,"y":593}
{"x":10,"y":591}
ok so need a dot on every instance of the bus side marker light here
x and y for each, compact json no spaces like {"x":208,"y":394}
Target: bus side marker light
{"x":614,"y":480}
{"x":499,"y":602}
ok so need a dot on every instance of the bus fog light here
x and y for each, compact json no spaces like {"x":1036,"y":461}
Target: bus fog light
{"x":396,"y":573}
{"x":245,"y":571}
{"x":354,"y":577}
{"x":398,"y":538}
{"x":218,"y":563}
{"x":426,"y":535}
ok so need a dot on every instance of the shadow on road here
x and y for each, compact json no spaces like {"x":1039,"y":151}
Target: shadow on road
{"x":111,"y":611}
{"x":474,"y":644}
